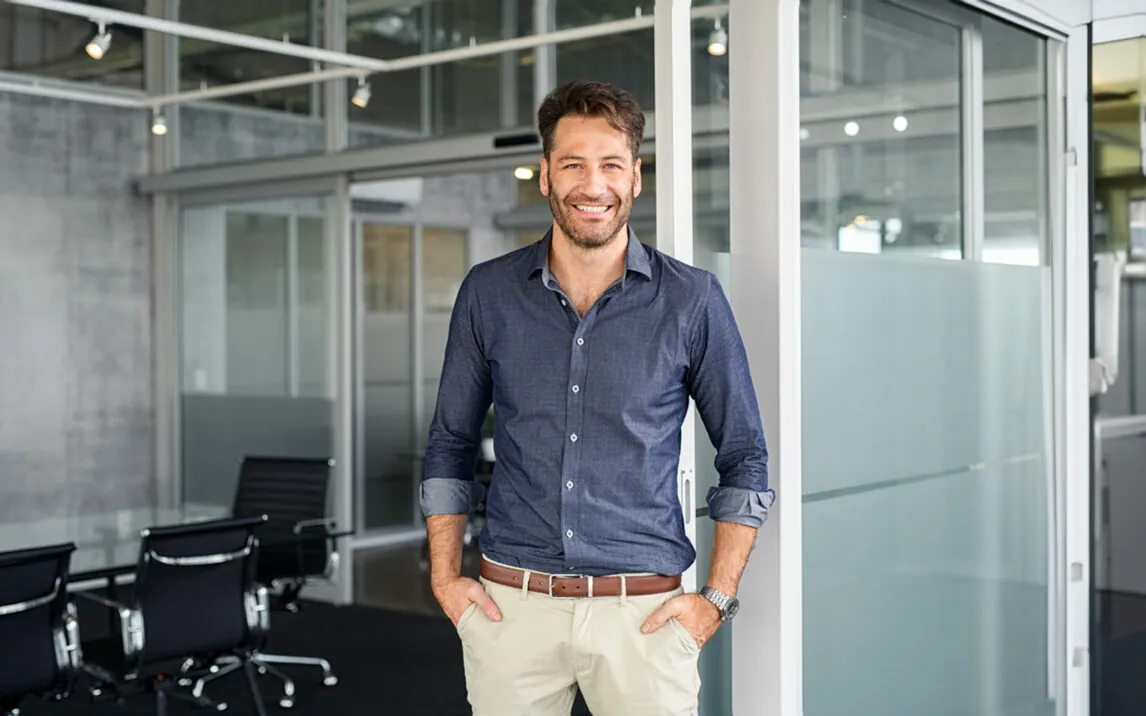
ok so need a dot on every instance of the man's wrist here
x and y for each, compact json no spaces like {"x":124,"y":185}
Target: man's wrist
{"x":724,"y":603}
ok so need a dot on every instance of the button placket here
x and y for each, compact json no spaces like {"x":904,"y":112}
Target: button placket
{"x":574,"y":412}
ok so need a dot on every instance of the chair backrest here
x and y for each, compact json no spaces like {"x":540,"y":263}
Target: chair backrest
{"x":193,"y":587}
{"x":290,"y":492}
{"x":33,"y":600}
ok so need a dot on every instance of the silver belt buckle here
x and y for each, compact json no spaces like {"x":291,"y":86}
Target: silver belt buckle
{"x":561,"y":576}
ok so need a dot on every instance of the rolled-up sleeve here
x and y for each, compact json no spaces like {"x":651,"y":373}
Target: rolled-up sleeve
{"x":464,"y":394}
{"x":720,"y":382}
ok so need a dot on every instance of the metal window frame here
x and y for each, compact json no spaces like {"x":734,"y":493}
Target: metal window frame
{"x":1073,"y":393}
{"x":672,"y":53}
{"x":971,"y":109}
{"x":764,"y":121}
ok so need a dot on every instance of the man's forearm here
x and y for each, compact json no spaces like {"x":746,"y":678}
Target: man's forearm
{"x":730,"y":550}
{"x":445,"y":535}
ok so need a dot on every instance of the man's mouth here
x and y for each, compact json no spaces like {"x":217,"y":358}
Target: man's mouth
{"x":592,"y":210}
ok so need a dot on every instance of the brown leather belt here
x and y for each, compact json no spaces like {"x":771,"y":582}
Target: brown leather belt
{"x":557,"y":586}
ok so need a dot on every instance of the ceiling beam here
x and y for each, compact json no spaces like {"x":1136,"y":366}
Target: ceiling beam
{"x":223,"y":37}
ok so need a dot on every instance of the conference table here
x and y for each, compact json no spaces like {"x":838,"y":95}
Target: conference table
{"x":107,"y":543}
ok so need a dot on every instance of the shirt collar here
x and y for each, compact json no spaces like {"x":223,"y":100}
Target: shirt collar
{"x":636,"y":258}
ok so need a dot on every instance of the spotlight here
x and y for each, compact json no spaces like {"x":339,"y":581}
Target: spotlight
{"x":718,"y":40}
{"x":159,"y":124}
{"x":523,"y":173}
{"x":98,"y":46}
{"x":851,"y":129}
{"x":900,"y":123}
{"x":361,"y":96}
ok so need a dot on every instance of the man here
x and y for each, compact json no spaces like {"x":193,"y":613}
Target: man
{"x":589,"y":345}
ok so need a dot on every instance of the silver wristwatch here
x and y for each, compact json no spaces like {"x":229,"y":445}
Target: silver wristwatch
{"x":728,"y":605}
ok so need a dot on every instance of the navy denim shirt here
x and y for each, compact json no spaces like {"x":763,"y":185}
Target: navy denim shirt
{"x":588,"y":414}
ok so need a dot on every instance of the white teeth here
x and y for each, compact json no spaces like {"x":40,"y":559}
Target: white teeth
{"x":593,"y":209}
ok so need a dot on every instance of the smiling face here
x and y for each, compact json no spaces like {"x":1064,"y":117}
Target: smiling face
{"x":591,"y":179}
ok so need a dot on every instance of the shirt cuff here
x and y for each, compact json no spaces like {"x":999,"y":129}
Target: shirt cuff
{"x":740,"y":505}
{"x":449,"y":496}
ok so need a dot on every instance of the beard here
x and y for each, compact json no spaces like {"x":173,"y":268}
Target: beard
{"x":591,"y":233}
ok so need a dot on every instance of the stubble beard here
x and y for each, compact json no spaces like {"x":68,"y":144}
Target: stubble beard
{"x":592,"y":235}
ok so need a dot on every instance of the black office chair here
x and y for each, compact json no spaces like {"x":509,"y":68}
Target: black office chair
{"x":39,"y":635}
{"x":195,"y":596}
{"x":297,"y":546}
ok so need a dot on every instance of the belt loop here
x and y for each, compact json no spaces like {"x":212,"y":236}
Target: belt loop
{"x":590,"y":586}
{"x":624,"y":590}
{"x":525,"y":585}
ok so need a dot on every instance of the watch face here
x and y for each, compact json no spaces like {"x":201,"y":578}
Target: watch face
{"x":731,"y":609}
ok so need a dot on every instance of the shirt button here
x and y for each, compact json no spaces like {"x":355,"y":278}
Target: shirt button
{"x":573,"y":437}
{"x":569,"y":484}
{"x":576,"y":389}
{"x":563,"y":302}
{"x":569,"y":533}
{"x":580,"y":341}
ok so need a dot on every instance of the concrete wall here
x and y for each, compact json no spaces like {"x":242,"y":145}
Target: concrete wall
{"x":76,"y":416}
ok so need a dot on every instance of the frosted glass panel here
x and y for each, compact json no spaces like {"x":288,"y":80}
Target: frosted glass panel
{"x":926,"y":486}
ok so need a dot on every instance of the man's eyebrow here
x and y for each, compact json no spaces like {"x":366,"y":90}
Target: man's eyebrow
{"x":578,"y":157}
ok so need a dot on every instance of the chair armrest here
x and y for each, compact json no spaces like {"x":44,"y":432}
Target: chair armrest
{"x":324,"y":528}
{"x":110,"y":604}
{"x":328,"y":522}
{"x":258,"y":612}
{"x":69,"y":654}
{"x":130,"y":626}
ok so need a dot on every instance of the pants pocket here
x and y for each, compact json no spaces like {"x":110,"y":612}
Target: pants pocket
{"x":464,"y":619}
{"x":687,"y":640}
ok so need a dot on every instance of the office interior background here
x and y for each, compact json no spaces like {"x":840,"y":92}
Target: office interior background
{"x":236,"y":229}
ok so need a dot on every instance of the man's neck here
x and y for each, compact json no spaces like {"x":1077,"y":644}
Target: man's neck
{"x":579,"y":268}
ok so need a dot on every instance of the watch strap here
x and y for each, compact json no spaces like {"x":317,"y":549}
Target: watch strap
{"x":718,"y":598}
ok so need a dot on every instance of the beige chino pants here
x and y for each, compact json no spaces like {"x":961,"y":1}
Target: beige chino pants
{"x":532,"y":662}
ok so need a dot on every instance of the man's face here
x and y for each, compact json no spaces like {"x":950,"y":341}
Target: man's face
{"x":590,"y":179}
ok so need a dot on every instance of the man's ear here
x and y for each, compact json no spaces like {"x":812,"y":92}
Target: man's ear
{"x":543,"y":180}
{"x":637,"y":178}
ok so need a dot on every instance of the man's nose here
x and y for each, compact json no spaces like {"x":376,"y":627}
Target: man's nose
{"x":594,"y":185}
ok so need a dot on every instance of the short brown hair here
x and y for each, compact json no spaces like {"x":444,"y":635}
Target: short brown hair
{"x":584,"y":98}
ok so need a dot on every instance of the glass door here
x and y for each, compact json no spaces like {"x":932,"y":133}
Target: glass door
{"x":410,"y":271}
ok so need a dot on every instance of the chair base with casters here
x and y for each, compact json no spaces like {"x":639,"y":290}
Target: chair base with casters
{"x":263,"y":664}
{"x":107,"y":686}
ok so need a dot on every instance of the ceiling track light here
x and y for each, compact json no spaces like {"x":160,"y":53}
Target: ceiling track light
{"x":361,"y":96}
{"x":98,"y":46}
{"x":718,"y":40}
{"x":158,"y":124}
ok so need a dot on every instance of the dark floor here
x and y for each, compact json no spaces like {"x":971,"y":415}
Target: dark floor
{"x":1120,"y":655}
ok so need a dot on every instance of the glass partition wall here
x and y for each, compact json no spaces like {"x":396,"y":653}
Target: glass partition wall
{"x":257,"y":378}
{"x":414,"y":248}
{"x":929,"y":490}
